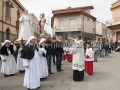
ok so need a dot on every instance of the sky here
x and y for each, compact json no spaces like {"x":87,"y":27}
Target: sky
{"x":101,"y":7}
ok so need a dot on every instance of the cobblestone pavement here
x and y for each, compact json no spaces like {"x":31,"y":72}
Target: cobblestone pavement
{"x":106,"y":77}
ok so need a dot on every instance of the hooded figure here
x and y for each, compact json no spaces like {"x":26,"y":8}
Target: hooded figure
{"x":43,"y":61}
{"x":8,"y":61}
{"x":30,"y":61}
{"x":28,"y":52}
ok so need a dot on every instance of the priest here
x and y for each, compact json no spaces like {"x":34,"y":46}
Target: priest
{"x":9,"y":67}
{"x":78,"y":59}
{"x":30,"y":61}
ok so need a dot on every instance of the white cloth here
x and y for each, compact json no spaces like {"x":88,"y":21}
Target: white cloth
{"x":2,"y":44}
{"x":32,"y":74}
{"x":7,"y":41}
{"x":42,"y":40}
{"x":43,"y":63}
{"x":25,"y":30}
{"x":68,"y":49}
{"x":90,"y":53}
{"x":20,"y":60}
{"x":30,"y":38}
{"x":78,"y":56}
{"x":65,"y":49}
{"x":8,"y":67}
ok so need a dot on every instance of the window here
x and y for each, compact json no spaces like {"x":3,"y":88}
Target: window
{"x":7,"y":10}
{"x":61,"y":24}
{"x":8,"y":34}
{"x":98,"y":39}
{"x":72,"y":22}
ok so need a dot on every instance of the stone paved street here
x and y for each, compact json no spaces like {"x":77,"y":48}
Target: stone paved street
{"x":106,"y":77}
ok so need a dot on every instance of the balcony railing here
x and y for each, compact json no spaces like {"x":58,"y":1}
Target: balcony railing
{"x":68,"y":28}
{"x":113,"y":20}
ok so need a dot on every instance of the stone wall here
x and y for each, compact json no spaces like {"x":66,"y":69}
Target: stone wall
{"x":12,"y":37}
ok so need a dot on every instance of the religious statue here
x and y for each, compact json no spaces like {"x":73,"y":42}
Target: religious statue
{"x":25,"y":28}
{"x":42,"y":23}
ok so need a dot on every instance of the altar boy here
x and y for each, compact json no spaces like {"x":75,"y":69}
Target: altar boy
{"x":89,"y":58}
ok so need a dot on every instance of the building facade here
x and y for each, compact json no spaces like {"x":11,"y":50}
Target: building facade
{"x":73,"y":21}
{"x":102,"y":32}
{"x":9,"y":19}
{"x":114,"y":23}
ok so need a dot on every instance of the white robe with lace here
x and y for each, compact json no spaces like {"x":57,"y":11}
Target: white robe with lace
{"x":78,"y":56}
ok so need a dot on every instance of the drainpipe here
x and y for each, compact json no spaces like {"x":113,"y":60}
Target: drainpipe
{"x":106,"y":33}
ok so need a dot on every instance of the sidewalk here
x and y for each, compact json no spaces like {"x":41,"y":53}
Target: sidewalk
{"x":106,"y":77}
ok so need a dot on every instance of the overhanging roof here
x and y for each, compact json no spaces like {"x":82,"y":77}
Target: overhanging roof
{"x":69,"y":9}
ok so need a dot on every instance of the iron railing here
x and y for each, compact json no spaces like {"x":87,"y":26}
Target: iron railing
{"x":68,"y":27}
{"x":113,"y":20}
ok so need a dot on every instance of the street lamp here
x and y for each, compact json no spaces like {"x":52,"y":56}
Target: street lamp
{"x":82,"y":32}
{"x":11,"y":6}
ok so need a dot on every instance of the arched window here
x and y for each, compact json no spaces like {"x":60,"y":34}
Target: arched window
{"x":8,"y":34}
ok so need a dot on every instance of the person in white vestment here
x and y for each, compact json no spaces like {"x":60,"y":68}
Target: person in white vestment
{"x":9,"y":67}
{"x":30,"y":57}
{"x":89,"y":58}
{"x":26,"y":29}
{"x":20,"y":66}
{"x":43,"y":61}
{"x":78,"y":59}
{"x":64,"y":55}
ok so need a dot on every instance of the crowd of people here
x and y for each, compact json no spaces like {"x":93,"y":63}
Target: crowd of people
{"x":103,"y":49}
{"x":35,"y":58}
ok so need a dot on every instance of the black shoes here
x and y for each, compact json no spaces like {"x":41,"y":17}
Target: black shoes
{"x":31,"y":89}
{"x":12,"y":75}
{"x":51,"y":73}
{"x":41,"y":79}
{"x":21,"y":71}
{"x":59,"y":70}
{"x":5,"y":75}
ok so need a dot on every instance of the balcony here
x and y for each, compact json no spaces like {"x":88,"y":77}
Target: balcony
{"x":113,"y":23}
{"x":67,"y":28}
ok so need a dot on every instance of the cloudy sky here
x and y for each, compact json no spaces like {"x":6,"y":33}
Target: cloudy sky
{"x":101,"y":7}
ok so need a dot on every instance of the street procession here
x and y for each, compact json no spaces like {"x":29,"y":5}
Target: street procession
{"x":78,"y":53}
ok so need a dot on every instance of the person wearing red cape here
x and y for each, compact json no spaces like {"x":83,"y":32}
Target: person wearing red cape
{"x":89,"y":58}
